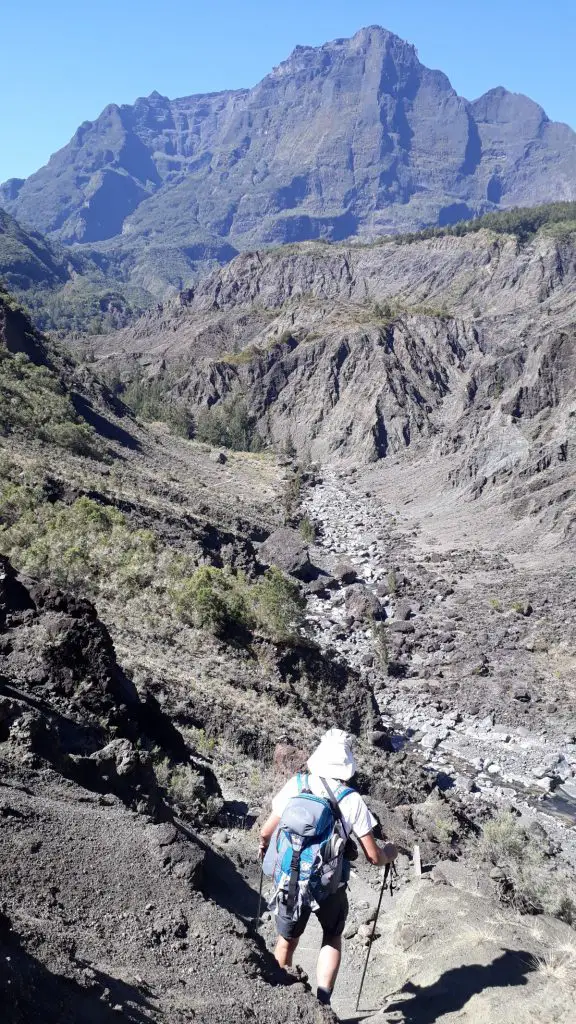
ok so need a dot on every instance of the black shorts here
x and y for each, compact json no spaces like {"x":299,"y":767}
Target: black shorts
{"x":331,"y":913}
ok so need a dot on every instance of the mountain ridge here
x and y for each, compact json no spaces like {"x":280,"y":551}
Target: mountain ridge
{"x":352,"y":138}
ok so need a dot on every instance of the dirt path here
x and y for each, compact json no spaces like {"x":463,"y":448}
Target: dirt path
{"x":363,"y":896}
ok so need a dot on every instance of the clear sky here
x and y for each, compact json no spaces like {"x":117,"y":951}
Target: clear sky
{"x":64,"y":60}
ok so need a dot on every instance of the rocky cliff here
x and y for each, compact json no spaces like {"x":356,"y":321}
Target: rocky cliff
{"x":456,"y":351}
{"x":355,"y":137}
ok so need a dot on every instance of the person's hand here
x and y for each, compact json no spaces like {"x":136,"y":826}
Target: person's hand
{"x":263,"y":846}
{"x":388,"y":853}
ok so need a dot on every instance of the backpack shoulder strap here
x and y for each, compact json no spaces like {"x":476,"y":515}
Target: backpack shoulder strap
{"x":342,"y":792}
{"x":303,"y":781}
{"x":335,"y":800}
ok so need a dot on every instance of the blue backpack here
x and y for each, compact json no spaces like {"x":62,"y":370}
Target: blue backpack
{"x":305,"y":857}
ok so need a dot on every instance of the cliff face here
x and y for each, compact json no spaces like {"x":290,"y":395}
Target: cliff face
{"x":355,"y":137}
{"x":458,"y":350}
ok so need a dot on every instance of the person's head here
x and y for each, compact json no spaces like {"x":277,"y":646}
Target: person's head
{"x":333,"y":756}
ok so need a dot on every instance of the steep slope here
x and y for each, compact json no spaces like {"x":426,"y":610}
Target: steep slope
{"x":109,"y":910}
{"x":459,"y":350}
{"x":63,"y":290}
{"x":46,"y":397}
{"x":355,"y":137}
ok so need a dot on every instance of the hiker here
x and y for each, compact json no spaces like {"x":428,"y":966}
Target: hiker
{"x":306,"y":846}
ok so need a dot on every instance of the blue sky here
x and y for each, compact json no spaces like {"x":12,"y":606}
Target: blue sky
{"x":64,"y":60}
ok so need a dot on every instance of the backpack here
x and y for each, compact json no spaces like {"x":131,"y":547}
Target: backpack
{"x":306,"y":855}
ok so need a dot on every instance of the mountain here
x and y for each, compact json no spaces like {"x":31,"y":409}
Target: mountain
{"x":65,"y":290}
{"x":461,"y":346}
{"x":353,"y":138}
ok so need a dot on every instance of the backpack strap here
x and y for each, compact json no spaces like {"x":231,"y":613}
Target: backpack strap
{"x":303,"y":781}
{"x":292,"y":892}
{"x":335,"y":801}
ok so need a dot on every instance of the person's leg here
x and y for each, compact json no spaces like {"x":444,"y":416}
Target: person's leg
{"x":289,"y":933}
{"x":284,"y":952}
{"x":332,"y":915}
{"x":329,"y":962}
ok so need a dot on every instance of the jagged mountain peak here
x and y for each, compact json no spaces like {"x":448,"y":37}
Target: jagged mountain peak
{"x":354,"y":137}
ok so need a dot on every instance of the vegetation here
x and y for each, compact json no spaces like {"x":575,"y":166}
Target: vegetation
{"x":380,"y":645}
{"x":152,"y":399}
{"x":308,"y":530}
{"x":524,"y":222}
{"x":34,"y":403}
{"x":185,"y":787}
{"x":229,"y":424}
{"x":93,"y":549}
{"x":531,"y":882}
{"x":84,"y":547}
{"x":227,"y":603}
{"x":292,"y":494}
{"x":63,"y":292}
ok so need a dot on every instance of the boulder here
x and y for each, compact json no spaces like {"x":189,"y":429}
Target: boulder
{"x":362,"y":605}
{"x":403,"y":610}
{"x":286,"y":549}
{"x":345,"y":573}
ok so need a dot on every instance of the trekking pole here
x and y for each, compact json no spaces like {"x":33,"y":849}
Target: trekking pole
{"x":257,"y":921}
{"x":389,"y":872}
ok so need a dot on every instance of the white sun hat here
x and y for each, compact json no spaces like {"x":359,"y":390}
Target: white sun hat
{"x":333,"y":757}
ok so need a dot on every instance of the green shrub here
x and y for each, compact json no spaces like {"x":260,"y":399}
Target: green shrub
{"x":85,"y":547}
{"x":229,"y":425}
{"x":15,"y":500}
{"x":153,"y":399}
{"x":533,"y":881}
{"x":33,"y":402}
{"x":308,"y":530}
{"x":225,"y":603}
{"x":277,"y":604}
{"x":292,"y":494}
{"x":212,"y":599}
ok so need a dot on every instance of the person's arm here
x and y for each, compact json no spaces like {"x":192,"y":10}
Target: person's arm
{"x":378,"y":855}
{"x":266,"y":833}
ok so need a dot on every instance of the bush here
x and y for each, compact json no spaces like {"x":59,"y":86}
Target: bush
{"x":533,"y":882}
{"x":226,"y":603}
{"x":153,"y":400}
{"x":83,"y":547}
{"x":277,"y":605}
{"x":308,"y":530}
{"x":212,"y":599}
{"x":229,"y":425}
{"x":185,"y":787}
{"x":33,"y":402}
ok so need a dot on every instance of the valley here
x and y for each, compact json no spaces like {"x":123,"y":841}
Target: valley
{"x":288,"y":442}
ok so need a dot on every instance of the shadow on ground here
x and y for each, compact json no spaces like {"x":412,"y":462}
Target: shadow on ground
{"x":32,"y":994}
{"x":454,"y":989}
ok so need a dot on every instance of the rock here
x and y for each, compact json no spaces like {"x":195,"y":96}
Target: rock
{"x":497,"y":874}
{"x":521,"y":693}
{"x":402,"y":610}
{"x":345,"y":573}
{"x":381,"y":739}
{"x":362,"y":605}
{"x":288,"y":759}
{"x":401,"y":627}
{"x":286,"y":549}
{"x":219,"y":458}
{"x":320,"y":586}
{"x":365,"y":932}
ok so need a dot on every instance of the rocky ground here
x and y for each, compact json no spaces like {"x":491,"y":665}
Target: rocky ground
{"x":469,"y":651}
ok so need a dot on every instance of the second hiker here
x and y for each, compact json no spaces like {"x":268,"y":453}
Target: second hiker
{"x":313,"y":819}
